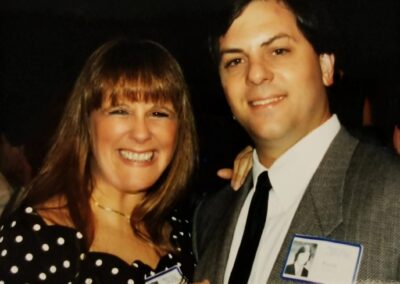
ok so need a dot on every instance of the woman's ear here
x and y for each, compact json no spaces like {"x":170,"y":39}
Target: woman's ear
{"x":327,"y":63}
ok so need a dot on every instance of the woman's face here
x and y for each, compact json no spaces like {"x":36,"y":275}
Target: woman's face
{"x":132,"y":144}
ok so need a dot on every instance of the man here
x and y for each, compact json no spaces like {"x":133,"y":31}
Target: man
{"x":275,"y":63}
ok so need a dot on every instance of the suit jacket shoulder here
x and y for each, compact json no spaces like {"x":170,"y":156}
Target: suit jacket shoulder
{"x":214,"y":223}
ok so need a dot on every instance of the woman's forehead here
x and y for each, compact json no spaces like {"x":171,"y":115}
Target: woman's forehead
{"x":119,"y":99}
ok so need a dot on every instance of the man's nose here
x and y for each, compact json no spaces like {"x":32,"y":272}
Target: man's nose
{"x":258,"y":72}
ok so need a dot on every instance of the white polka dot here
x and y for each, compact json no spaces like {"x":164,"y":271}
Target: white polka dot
{"x":179,"y":264}
{"x":98,"y":262}
{"x":2,"y":227}
{"x":53,"y":269}
{"x":190,"y":235}
{"x":19,"y":239}
{"x":170,"y":256}
{"x":79,"y":235}
{"x":181,"y":233}
{"x":135,"y":265}
{"x":60,"y":241}
{"x":36,"y":227}
{"x":2,"y":282}
{"x":1,"y":239}
{"x":4,"y":252}
{"x":42,"y":276}
{"x":130,"y":281}
{"x":14,"y":269}
{"x":173,"y":218}
{"x":186,"y":221}
{"x":66,"y":263}
{"x":179,"y":249}
{"x":45,"y":247}
{"x":13,"y":223}
{"x":82,"y":256}
{"x":152,"y":273}
{"x":88,"y":281}
{"x":28,"y":256}
{"x":28,"y":210}
{"x":174,"y":237}
{"x":114,"y":271}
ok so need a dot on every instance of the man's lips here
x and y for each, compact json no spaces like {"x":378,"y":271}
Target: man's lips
{"x":267,"y":101}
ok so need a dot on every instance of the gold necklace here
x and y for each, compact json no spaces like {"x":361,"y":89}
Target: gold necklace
{"x":108,"y":209}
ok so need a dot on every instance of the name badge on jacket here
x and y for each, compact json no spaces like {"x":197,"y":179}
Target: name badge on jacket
{"x":319,"y":260}
{"x":172,"y":275}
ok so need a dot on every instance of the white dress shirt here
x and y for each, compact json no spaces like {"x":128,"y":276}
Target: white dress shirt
{"x":290,"y":175}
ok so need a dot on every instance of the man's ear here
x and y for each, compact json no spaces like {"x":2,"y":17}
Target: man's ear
{"x":327,"y":63}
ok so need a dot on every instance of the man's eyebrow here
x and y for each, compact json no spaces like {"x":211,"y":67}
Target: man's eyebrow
{"x":265,"y":43}
{"x":275,"y":38}
{"x":230,"y":50}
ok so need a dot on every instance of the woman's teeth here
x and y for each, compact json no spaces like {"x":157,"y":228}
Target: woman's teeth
{"x":137,"y":157}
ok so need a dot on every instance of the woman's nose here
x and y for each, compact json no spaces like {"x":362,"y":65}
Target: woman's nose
{"x":140,"y":130}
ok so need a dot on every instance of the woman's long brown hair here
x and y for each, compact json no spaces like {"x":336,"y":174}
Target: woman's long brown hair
{"x":119,"y":69}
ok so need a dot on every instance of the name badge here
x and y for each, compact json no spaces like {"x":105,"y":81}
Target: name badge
{"x":319,"y":260}
{"x":172,"y":275}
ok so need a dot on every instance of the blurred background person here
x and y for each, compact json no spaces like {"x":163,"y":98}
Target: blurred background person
{"x":15,"y":170}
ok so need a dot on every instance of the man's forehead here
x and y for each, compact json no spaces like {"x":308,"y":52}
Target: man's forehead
{"x":260,"y":22}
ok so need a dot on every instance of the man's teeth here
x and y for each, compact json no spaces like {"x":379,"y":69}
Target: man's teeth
{"x":267,"y":101}
{"x":137,"y":157}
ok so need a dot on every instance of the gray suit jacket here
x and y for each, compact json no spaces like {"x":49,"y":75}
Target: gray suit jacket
{"x":354,"y":196}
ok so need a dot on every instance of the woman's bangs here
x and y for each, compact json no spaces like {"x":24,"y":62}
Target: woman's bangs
{"x":139,"y":89}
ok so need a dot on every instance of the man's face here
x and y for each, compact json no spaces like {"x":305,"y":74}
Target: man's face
{"x":273,"y":79}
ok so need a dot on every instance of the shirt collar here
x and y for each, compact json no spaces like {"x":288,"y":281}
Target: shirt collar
{"x":291,"y":172}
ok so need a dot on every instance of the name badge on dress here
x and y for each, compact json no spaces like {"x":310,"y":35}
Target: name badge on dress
{"x":172,"y":275}
{"x":319,"y":260}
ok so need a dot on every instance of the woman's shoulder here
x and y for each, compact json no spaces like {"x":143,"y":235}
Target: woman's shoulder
{"x":31,"y":249}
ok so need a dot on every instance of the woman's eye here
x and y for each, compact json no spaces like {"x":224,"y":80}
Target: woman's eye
{"x":160,"y":114}
{"x":118,"y":111}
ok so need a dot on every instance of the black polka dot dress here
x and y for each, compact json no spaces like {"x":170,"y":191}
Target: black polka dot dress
{"x":33,"y":252}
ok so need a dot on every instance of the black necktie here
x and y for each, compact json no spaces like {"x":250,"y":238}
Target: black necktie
{"x":252,"y":232}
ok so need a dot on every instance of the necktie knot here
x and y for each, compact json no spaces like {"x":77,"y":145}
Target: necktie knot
{"x":263,"y":182}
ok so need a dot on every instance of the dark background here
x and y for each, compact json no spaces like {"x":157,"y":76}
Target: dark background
{"x":45,"y":43}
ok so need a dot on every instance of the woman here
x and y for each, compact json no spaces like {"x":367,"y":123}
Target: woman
{"x":101,"y":208}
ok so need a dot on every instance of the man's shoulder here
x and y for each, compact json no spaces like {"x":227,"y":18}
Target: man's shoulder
{"x":375,"y":171}
{"x":376,"y":159}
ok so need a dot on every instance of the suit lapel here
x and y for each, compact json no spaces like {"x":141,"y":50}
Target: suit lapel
{"x":320,"y":210}
{"x":222,"y":243}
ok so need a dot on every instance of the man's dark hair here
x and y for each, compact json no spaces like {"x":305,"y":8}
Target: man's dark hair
{"x":313,"y":19}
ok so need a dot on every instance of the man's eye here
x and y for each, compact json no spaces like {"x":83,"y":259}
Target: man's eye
{"x":233,"y":62}
{"x":280,"y":51}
